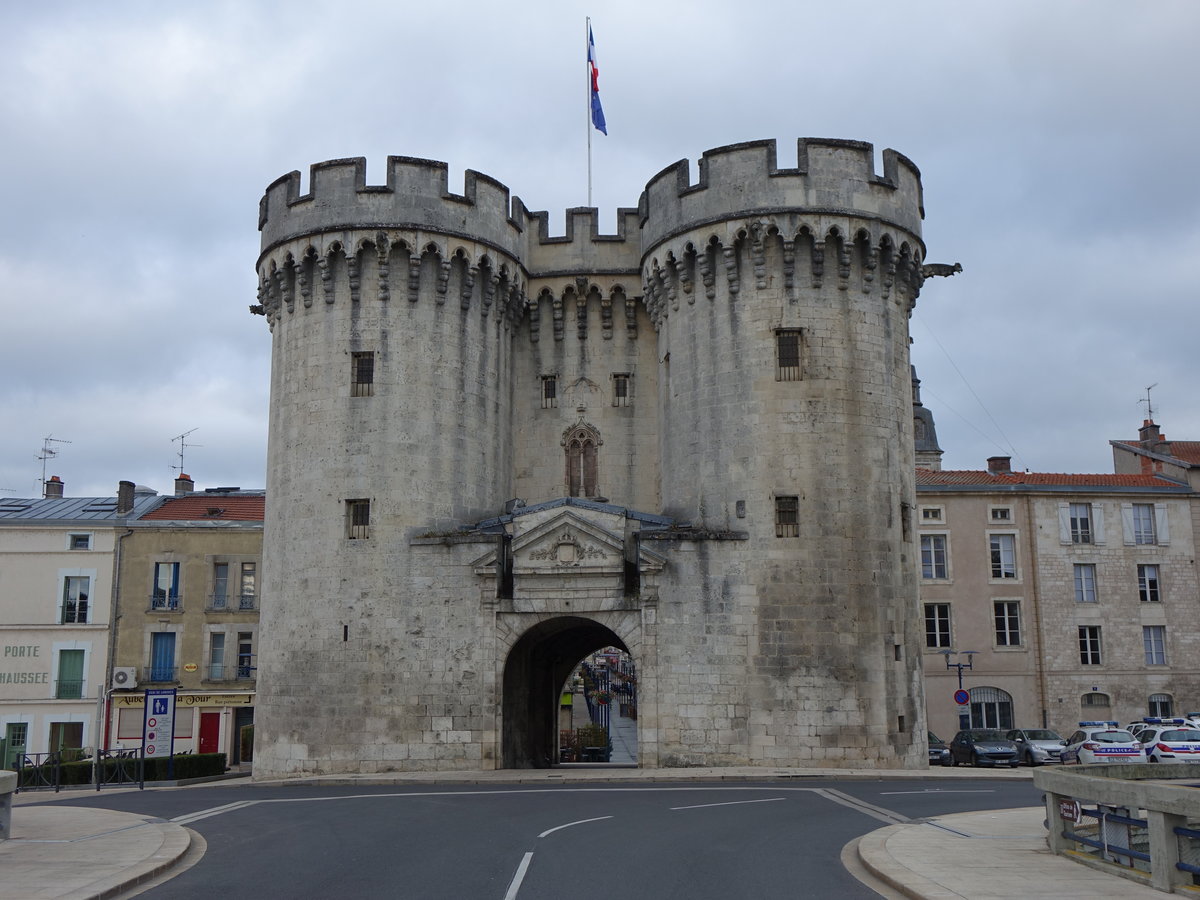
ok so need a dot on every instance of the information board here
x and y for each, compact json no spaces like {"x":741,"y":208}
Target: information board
{"x":158,"y":729}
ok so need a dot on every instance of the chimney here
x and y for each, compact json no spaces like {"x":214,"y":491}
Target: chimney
{"x":124,"y":498}
{"x":1149,"y":434}
{"x":999,"y":465}
{"x":53,"y":489}
{"x":184,"y":485}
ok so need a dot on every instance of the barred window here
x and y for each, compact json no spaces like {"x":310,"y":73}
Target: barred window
{"x":787,"y":351}
{"x":621,"y":392}
{"x":549,"y":391}
{"x":358,"y":519}
{"x":362,"y":373}
{"x":787,"y":516}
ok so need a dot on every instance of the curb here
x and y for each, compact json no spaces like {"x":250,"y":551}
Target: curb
{"x":177,"y":840}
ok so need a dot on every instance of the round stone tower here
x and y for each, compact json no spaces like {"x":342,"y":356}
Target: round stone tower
{"x":781,"y":296}
{"x":493,"y":450}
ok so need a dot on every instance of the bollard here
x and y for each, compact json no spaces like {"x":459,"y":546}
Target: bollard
{"x":8,"y":784}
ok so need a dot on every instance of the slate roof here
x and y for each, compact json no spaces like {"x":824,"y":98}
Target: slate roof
{"x":62,"y":510}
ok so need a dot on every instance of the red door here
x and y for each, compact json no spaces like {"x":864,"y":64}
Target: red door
{"x":210,"y":732}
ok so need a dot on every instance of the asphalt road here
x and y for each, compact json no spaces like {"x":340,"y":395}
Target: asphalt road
{"x":514,"y":842}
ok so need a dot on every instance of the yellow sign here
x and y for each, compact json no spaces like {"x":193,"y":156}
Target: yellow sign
{"x":190,"y":667}
{"x":190,"y":699}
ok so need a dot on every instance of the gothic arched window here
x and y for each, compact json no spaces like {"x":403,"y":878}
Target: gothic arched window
{"x":583,"y":477}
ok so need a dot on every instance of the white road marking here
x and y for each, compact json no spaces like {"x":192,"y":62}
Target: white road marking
{"x":214,"y":811}
{"x":730,"y":803}
{"x":569,"y":824}
{"x":870,"y":809}
{"x":519,"y":877}
{"x":932,"y":791}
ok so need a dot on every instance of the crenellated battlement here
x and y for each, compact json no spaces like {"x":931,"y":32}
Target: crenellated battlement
{"x":583,"y":248}
{"x":416,"y":196}
{"x":831,"y":177}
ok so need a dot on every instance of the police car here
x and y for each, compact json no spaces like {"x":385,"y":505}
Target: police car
{"x":1170,"y":741}
{"x":1102,"y":742}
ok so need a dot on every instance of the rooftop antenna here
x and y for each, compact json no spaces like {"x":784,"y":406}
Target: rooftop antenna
{"x":182,"y":445}
{"x":48,"y":452}
{"x":1149,"y":408}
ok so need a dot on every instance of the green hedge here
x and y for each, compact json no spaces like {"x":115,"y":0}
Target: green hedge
{"x":196,"y":765}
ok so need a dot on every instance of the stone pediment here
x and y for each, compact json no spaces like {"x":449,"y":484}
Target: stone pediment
{"x":569,"y":543}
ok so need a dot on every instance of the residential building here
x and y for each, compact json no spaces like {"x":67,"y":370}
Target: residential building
{"x":187,"y":617}
{"x":1070,"y":596}
{"x":56,"y":589}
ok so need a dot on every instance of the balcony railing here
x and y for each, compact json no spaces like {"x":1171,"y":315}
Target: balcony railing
{"x":165,"y":602}
{"x":160,"y":674}
{"x":224,"y":603}
{"x":68,"y":689}
{"x":244,"y":671}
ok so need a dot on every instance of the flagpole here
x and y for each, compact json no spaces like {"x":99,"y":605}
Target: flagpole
{"x":587,"y":43}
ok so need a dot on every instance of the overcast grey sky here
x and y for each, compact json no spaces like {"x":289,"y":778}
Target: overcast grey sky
{"x":1057,"y":143}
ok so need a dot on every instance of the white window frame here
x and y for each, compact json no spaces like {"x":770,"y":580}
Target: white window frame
{"x":88,"y":536}
{"x":1160,"y":524}
{"x":60,"y":595}
{"x":932,"y":537}
{"x":1094,"y":636}
{"x":1149,"y":578}
{"x":1011,"y":630}
{"x":1154,"y":644}
{"x":1000,"y":514}
{"x":933,"y":514}
{"x":1081,"y":586}
{"x":1067,"y":533}
{"x":1012,"y":562}
{"x":939,"y":634}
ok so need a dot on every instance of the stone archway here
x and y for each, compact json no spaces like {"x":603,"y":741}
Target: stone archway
{"x":534,"y":672}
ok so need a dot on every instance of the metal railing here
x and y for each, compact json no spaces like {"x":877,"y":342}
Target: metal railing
{"x":68,"y":689}
{"x":155,"y":674}
{"x":225,"y":603}
{"x":1141,"y":821}
{"x":165,"y":602}
{"x":45,"y":771}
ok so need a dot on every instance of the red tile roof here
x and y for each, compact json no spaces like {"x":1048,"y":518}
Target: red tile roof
{"x":1185,"y":451}
{"x":1017,"y":479}
{"x":211,"y":508}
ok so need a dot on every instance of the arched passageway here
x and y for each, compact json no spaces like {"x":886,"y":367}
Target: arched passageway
{"x":534,"y":673}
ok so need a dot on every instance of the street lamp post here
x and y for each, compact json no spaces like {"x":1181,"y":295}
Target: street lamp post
{"x":969,"y":664}
{"x":964,"y":719}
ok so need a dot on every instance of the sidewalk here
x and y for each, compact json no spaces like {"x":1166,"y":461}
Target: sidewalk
{"x":61,"y":851}
{"x":998,"y":854}
{"x":74,"y":852}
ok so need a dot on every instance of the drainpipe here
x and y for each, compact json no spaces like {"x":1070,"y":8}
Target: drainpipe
{"x":1039,"y":662}
{"x":113,"y":626}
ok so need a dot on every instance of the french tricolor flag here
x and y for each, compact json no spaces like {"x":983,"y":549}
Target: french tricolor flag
{"x":597,"y":109}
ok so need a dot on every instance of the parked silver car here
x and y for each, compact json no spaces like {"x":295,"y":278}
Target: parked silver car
{"x":1037,"y":746}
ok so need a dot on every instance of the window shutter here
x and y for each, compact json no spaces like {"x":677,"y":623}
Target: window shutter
{"x":1097,"y":523}
{"x":1064,"y":523}
{"x":1160,"y":524}
{"x":1127,"y":522}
